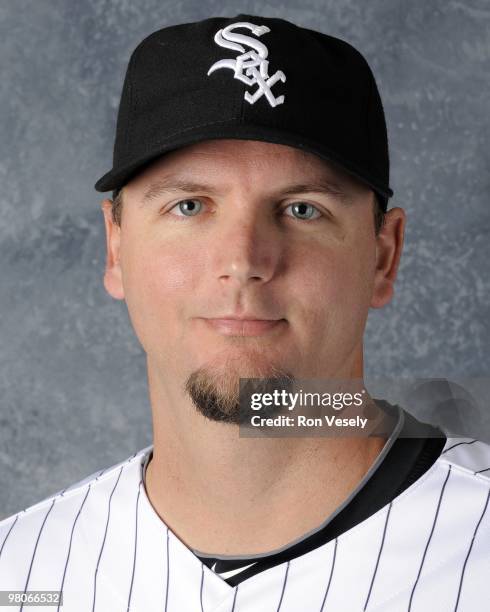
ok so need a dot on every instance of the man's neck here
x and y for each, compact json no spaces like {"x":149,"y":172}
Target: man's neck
{"x":225,"y":495}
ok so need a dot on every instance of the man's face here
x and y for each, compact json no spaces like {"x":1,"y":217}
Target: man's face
{"x":229,"y":228}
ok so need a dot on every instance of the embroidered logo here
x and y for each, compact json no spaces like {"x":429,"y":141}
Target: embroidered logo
{"x":251,"y":67}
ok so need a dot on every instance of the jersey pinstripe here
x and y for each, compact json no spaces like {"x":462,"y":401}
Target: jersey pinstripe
{"x":101,"y":542}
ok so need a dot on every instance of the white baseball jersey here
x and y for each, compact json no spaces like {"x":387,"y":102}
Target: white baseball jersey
{"x":103,"y":545}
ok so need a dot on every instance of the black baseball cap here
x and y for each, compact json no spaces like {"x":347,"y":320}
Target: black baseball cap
{"x":254,"y":78}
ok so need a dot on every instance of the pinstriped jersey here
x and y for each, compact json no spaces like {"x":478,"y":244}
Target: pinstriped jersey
{"x":103,"y":545}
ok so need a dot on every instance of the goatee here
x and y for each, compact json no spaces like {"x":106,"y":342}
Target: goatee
{"x":215,"y":392}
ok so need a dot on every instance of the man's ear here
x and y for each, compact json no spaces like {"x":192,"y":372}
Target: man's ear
{"x":389,"y":244}
{"x":112,"y":276}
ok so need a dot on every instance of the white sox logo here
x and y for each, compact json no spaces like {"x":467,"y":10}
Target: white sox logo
{"x":251,"y":67}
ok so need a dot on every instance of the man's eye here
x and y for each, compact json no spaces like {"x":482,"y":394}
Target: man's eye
{"x":188,"y":208}
{"x":303,"y":210}
{"x":191,"y":207}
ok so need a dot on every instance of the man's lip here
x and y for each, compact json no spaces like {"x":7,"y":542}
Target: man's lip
{"x":232,"y":317}
{"x":237,"y":326}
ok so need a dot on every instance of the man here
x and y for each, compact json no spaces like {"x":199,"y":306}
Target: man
{"x":245,"y":235}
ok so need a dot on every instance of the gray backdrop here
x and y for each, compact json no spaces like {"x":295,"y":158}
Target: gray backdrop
{"x":72,"y":374}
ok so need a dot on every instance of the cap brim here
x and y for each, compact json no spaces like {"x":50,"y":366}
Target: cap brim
{"x":119,"y":176}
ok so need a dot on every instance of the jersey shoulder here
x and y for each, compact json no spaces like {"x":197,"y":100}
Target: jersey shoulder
{"x":470,"y":456}
{"x":21,"y":530}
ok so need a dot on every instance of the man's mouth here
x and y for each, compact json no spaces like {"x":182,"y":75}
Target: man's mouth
{"x":244,"y":326}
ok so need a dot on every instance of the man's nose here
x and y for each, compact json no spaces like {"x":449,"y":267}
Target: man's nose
{"x":247,"y":249}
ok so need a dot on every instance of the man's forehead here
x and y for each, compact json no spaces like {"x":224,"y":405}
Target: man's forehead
{"x":208,"y":157}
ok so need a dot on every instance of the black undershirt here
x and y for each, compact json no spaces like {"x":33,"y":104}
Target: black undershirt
{"x":417,"y":447}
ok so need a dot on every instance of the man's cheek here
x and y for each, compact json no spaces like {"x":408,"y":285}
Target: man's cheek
{"x":175,"y":269}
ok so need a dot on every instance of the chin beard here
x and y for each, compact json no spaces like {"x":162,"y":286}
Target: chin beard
{"x":215,"y":392}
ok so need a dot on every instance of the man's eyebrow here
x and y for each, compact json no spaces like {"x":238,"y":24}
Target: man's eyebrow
{"x":172,"y":185}
{"x":319,"y":186}
{"x":175,"y":184}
